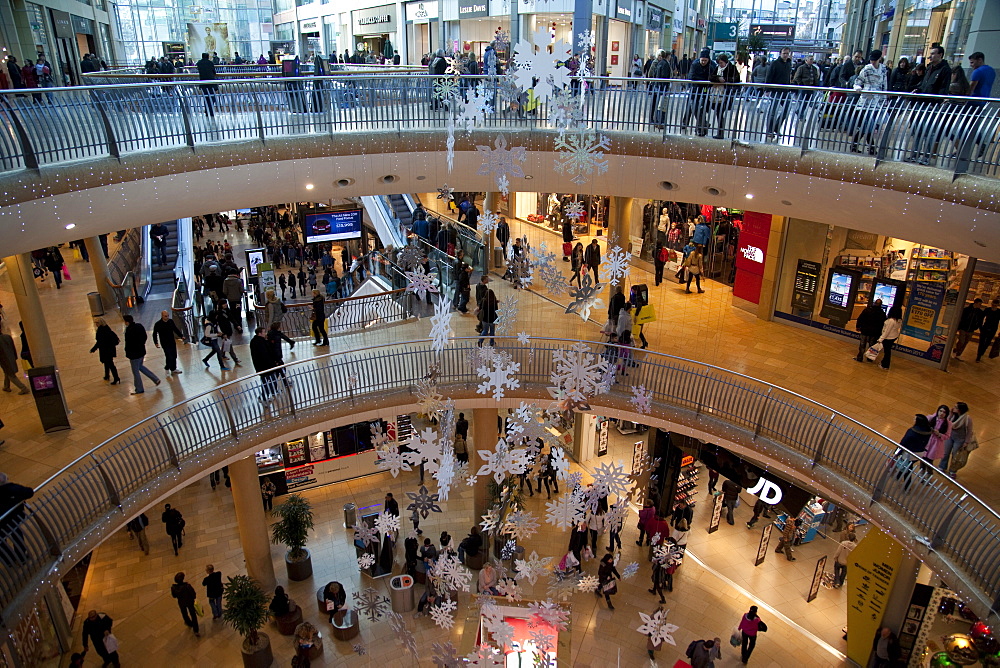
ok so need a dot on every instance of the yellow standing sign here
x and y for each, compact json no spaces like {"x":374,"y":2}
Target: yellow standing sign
{"x":871,"y":572}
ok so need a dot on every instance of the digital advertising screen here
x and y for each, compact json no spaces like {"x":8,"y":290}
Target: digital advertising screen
{"x":839,"y":294}
{"x":332,"y":226}
{"x":255,"y":256}
{"x":887,"y":292}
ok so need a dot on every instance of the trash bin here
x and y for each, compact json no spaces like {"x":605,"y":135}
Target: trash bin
{"x":350,"y":515}
{"x":401,"y":593}
{"x":497,"y":257}
{"x":96,"y":303}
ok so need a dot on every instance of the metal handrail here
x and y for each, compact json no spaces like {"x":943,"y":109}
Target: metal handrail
{"x":346,"y":315}
{"x":956,"y":134}
{"x":78,"y":507}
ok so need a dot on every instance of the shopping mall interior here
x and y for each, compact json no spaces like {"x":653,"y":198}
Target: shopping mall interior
{"x":746,"y":415}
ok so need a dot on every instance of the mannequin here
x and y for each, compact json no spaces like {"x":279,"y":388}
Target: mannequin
{"x":690,"y":227}
{"x":674,"y":236}
{"x":664,"y":220}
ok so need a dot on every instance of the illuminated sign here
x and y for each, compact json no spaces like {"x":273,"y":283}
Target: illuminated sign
{"x":766,"y":491}
{"x":753,"y":254}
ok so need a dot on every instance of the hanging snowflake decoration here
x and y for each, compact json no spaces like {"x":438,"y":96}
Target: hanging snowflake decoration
{"x":610,"y":479}
{"x":523,"y":338}
{"x":562,"y":586}
{"x":387,"y":523}
{"x":366,"y":561}
{"x":565,"y":111}
{"x":430,"y":401}
{"x":446,"y":656}
{"x":446,"y":88}
{"x":370,"y":603}
{"x":642,"y":399}
{"x":419,"y":282}
{"x":577,"y":371}
{"x":559,"y":463}
{"x":521,"y":525}
{"x":360,"y":649}
{"x":410,"y":257}
{"x":446,"y":193}
{"x":585,"y":40}
{"x":424,"y":503}
{"x":588,"y":583}
{"x":548,"y":269}
{"x":541,"y":71}
{"x":488,"y":222}
{"x":583,"y":153}
{"x":449,"y":143}
{"x":506,"y":315}
{"x":441,"y":331}
{"x":564,"y":512}
{"x":585,"y":298}
{"x":502,"y":462}
{"x":551,"y":613}
{"x":630,"y":570}
{"x":498,"y":377}
{"x":491,"y":520}
{"x":479,"y":105}
{"x":617,"y":513}
{"x":364,"y":534}
{"x":529,"y":424}
{"x":501,"y":40}
{"x":448,"y":574}
{"x":509,"y":588}
{"x":454,"y":67}
{"x":657,"y":628}
{"x":502,"y":161}
{"x":425,"y":448}
{"x":442,"y":614}
{"x":533,"y":566}
{"x":486,"y":657}
{"x":542,"y":641}
{"x":575,"y":210}
{"x":616,"y":266}
{"x":392,"y":460}
{"x":446,"y":473}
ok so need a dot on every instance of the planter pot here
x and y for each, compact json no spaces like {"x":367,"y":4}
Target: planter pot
{"x":300,"y":569}
{"x":259,"y":656}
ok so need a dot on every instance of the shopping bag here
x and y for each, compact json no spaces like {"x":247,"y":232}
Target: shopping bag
{"x":568,"y":250}
{"x":646,"y":315}
{"x":198,"y":610}
{"x":25,"y":364}
{"x":65,"y":272}
{"x":873,"y":352}
{"x":736,"y":637}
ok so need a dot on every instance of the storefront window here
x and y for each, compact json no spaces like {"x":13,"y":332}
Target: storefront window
{"x":830,"y":274}
{"x":928,"y":22}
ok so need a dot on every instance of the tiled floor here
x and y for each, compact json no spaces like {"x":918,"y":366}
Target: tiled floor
{"x":702,"y":327}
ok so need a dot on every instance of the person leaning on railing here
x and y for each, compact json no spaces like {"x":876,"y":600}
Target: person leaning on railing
{"x":206,"y":72}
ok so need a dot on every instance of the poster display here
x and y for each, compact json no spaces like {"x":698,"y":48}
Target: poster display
{"x":920,"y":319}
{"x":806,"y":283}
{"x":713,"y":526}
{"x":871,"y":572}
{"x":817,"y":579}
{"x":332,"y":226}
{"x":765,"y":539}
{"x":840,"y":289}
{"x":208,"y":38}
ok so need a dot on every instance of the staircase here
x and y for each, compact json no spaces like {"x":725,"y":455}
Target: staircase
{"x":162,"y":281}
{"x":400,"y":210}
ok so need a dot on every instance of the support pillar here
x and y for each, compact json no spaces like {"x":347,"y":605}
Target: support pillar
{"x":29,"y":306}
{"x":99,"y":264}
{"x":619,"y":212}
{"x":254,"y":531}
{"x":484,"y":437}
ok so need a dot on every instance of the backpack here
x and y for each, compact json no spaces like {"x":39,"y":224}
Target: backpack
{"x":663,"y":255}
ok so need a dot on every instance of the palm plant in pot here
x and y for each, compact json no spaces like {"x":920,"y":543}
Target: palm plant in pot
{"x":246,"y":612}
{"x":295,"y":521}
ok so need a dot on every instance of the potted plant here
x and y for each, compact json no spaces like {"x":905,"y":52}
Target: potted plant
{"x":246,"y":612}
{"x":295,"y":520}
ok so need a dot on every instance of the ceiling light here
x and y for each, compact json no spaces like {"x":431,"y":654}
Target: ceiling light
{"x":309,"y":186}
{"x":71,"y":226}
{"x":749,"y":195}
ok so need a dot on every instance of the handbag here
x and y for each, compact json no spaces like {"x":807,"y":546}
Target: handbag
{"x":205,"y":341}
{"x":761,"y":626}
{"x":873,"y":352}
{"x":198,"y":610}
{"x":610,"y":587}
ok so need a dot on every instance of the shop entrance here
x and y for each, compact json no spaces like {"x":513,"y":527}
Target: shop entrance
{"x":676,"y":227}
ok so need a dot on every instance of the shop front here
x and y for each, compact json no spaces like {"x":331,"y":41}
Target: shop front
{"x":620,"y":27}
{"x":656,"y":18}
{"x":829,"y":274}
{"x":587,"y":213}
{"x":375,"y":31}
{"x":310,"y":38}
{"x":422,"y":29}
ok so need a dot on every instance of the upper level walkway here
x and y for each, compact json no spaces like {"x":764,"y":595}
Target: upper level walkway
{"x":815,"y":154}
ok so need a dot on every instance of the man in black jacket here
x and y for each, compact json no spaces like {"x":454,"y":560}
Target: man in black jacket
{"x":12,"y":498}
{"x":592,"y":258}
{"x":206,"y":72}
{"x":660,"y":69}
{"x":175,"y":523}
{"x":698,"y":104}
{"x":135,"y":351}
{"x":972,"y":319}
{"x":779,"y":72}
{"x":885,"y":647}
{"x":988,"y":330}
{"x":935,"y":82}
{"x":158,"y":234}
{"x":165,"y":335}
{"x":94,"y":627}
{"x":869,"y":325}
{"x":213,"y":590}
{"x":262,"y":356}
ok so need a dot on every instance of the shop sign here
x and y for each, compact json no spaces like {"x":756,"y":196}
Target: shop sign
{"x":374,"y":20}
{"x":82,"y":26}
{"x":602,"y":438}
{"x":773,"y":31}
{"x":766,"y":491}
{"x":724,"y":36}
{"x":638,"y":457}
{"x":62,"y":24}
{"x":926,"y":298}
{"x":871,"y":572}
{"x":654,"y":19}
{"x":473,"y":9}
{"x":309,"y":26}
{"x":421,"y":12}
{"x":623,"y":12}
{"x":751,"y":255}
{"x":701,"y":23}
{"x":678,"y":25}
{"x":713,"y":524}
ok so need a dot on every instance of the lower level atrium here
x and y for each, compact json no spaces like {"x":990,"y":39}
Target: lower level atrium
{"x":715,"y":585}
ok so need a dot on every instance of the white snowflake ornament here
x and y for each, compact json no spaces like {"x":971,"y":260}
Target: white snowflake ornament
{"x":616,"y":266}
{"x":532,"y":567}
{"x":578,"y":371}
{"x":585,"y":298}
{"x":419,"y":282}
{"x":366,"y":561}
{"x":501,"y":161}
{"x":370,"y":603}
{"x":498,"y":377}
{"x":642,"y":399}
{"x":442,"y":614}
{"x":583,"y":154}
{"x":657,"y":628}
{"x":441,"y":331}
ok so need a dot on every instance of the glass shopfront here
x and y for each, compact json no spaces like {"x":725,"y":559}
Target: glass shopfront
{"x":550,"y":210}
{"x":829,"y":274}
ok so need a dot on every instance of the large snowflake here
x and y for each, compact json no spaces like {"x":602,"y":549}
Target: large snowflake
{"x":617,"y":514}
{"x":578,"y":371}
{"x":657,"y":627}
{"x":442,"y":614}
{"x":448,"y":574}
{"x":521,"y":525}
{"x":616,"y":266}
{"x":488,"y":222}
{"x":630,"y":570}
{"x":410,"y":257}
{"x":420,"y":282}
{"x":424,"y":503}
{"x":478,"y":107}
{"x":585,"y":40}
{"x":446,"y":656}
{"x":551,"y":613}
{"x":491,"y":520}
{"x":446,"y":88}
{"x":564,"y":512}
{"x":533,"y":566}
{"x":365,"y":534}
{"x":545,"y":263}
{"x":583,"y":153}
{"x":502,"y":462}
{"x":425,"y":447}
{"x":501,"y":161}
{"x":541,"y":71}
{"x":486,"y":657}
{"x":642,"y":399}
{"x":588,"y":583}
{"x":370,"y":603}
{"x":449,"y":469}
{"x":585,"y":298}
{"x":564,"y":111}
{"x":506,"y":315}
{"x":431,"y":401}
{"x":387,"y":523}
{"x":441,"y":331}
{"x":366,"y":561}
{"x":498,"y":377}
{"x":559,"y":463}
{"x":392,"y":460}
{"x":530,"y":423}
{"x":575,"y":210}
{"x":610,"y":479}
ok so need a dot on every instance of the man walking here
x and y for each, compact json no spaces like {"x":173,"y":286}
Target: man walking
{"x":840,"y":559}
{"x":779,"y":72}
{"x":137,"y":526}
{"x":8,"y":361}
{"x":158,"y":234}
{"x":232,"y":290}
{"x":206,"y":72}
{"x":988,"y":330}
{"x":165,"y":335}
{"x":185,"y":595}
{"x":972,"y":319}
{"x":135,"y":351}
{"x":730,"y":495}
{"x":592,"y":258}
{"x":262,"y":356}
{"x":213,"y":590}
{"x":788,"y":537}
{"x":94,"y":627}
{"x":488,"y":307}
{"x":174,"y":522}
{"x":869,"y":325}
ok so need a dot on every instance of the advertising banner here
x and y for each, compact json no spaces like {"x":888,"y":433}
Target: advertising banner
{"x":921,"y":316}
{"x":765,"y":539}
{"x":817,"y":579}
{"x":332,"y":226}
{"x":208,"y":38}
{"x":871,"y":572}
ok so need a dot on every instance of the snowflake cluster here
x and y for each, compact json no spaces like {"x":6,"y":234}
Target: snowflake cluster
{"x":521,"y":525}
{"x":585,"y":298}
{"x":448,"y":574}
{"x":503,"y":461}
{"x":642,"y":399}
{"x":545,"y":262}
{"x":577,"y":371}
{"x":532,"y":567}
{"x":392,"y":460}
{"x":551,"y":613}
{"x":657,"y":628}
{"x":502,"y":162}
{"x":419,"y":282}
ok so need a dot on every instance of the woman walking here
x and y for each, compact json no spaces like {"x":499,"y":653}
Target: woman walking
{"x":211,"y":339}
{"x":274,"y":309}
{"x":319,"y":320}
{"x":106,"y":345}
{"x":749,"y":627}
{"x":606,"y":575}
{"x":890,"y":332}
{"x":694,"y":263}
{"x":940,"y":433}
{"x":577,"y":263}
{"x":915,"y":441}
{"x":961,"y":431}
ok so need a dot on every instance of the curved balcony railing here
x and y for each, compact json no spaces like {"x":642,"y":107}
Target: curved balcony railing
{"x":76,"y":509}
{"x":54,"y":125}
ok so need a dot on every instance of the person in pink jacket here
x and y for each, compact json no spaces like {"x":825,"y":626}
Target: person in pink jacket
{"x":940,"y":432}
{"x":647,"y":513}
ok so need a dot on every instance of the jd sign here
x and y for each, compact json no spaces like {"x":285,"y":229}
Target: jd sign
{"x":766,"y":491}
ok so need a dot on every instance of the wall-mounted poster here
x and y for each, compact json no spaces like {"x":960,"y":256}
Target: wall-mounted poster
{"x":208,"y":38}
{"x":614,"y":46}
{"x":614,"y":60}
